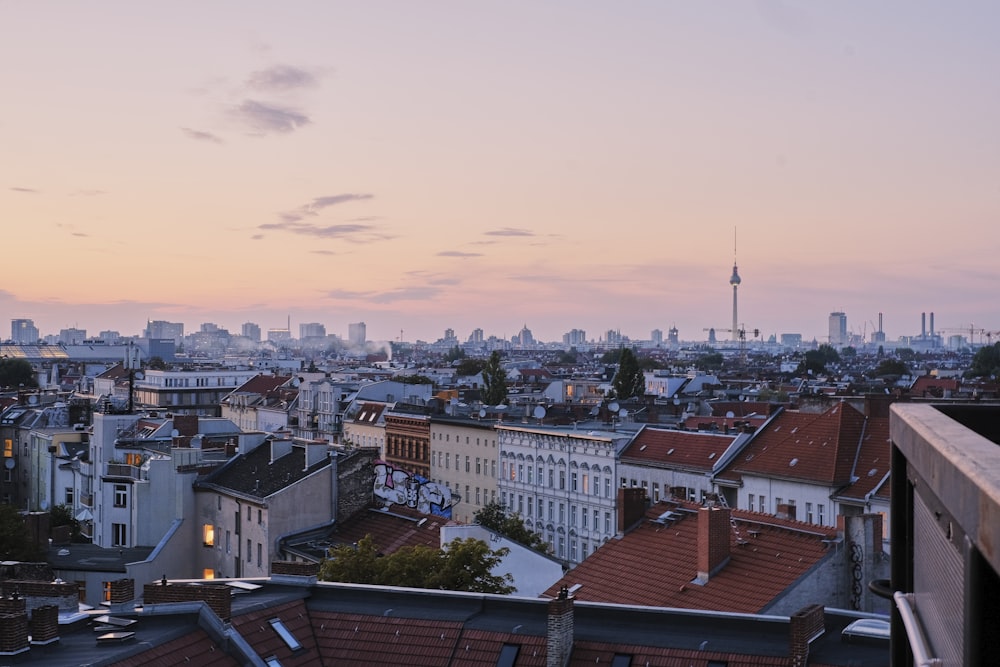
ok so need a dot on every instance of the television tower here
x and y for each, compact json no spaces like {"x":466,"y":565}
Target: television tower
{"x":734,"y":280}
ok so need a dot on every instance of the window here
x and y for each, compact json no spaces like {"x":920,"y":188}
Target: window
{"x":562,"y":512}
{"x":493,"y":468}
{"x":656,"y":492}
{"x":520,"y":504}
{"x":762,"y":503}
{"x":285,"y":635}
{"x":562,"y":479}
{"x":259,"y":521}
{"x":607,"y":487}
{"x":607,"y":522}
{"x":552,"y":510}
{"x":260,"y":554}
{"x":583,"y":518}
{"x":597,"y":485}
{"x":819,"y":514}
{"x":69,"y":496}
{"x":468,"y":465}
{"x":208,"y":535}
{"x":552,"y":478}
{"x":541,"y":508}
{"x":531,"y":506}
{"x":596,"y":519}
{"x":249,"y":551}
{"x":106,"y":587}
{"x":809,"y":512}
{"x":229,"y":546}
{"x":586,"y":483}
{"x":208,"y":573}
{"x":624,"y":482}
{"x":520,"y":472}
{"x":8,"y":448}
{"x":572,"y":516}
{"x":531,"y":479}
{"x":573,"y":481}
{"x":119,"y":535}
{"x":478,"y":501}
{"x":479,"y":467}
{"x":121,"y":495}
{"x":750,"y":502}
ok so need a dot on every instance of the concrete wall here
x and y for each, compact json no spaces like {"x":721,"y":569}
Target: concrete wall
{"x":533,"y":572}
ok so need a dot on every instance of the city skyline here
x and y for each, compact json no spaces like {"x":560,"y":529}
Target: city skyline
{"x":433,"y":166}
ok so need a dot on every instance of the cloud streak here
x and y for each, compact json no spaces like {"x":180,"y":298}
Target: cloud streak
{"x":458,"y":253}
{"x":281,"y":78}
{"x":25,"y":190}
{"x":350,"y":233}
{"x":510,"y":231}
{"x":263,"y":118}
{"x":199,"y":135}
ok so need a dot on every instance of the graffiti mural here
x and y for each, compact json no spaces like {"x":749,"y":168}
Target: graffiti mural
{"x":395,"y":486}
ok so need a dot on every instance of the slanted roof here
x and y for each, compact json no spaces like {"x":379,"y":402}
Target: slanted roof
{"x":871,"y":471}
{"x":677,"y":449}
{"x":254,"y":474}
{"x":391,"y":529}
{"x":194,"y":649}
{"x":656,"y":563}
{"x":808,"y":447}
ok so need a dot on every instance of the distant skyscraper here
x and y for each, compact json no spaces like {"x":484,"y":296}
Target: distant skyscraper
{"x":162,"y":329}
{"x":252,"y":331}
{"x":525,"y":338}
{"x":476,"y":336}
{"x":656,"y":336}
{"x":449,"y":334}
{"x":24,"y":332}
{"x":575,"y":337}
{"x":72,"y":336}
{"x":674,"y":336}
{"x":838,"y":329}
{"x":357,"y":333}
{"x":312,"y":330}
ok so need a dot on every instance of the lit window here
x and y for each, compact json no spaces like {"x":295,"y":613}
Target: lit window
{"x":8,"y":448}
{"x":208,"y":535}
{"x":285,"y":635}
{"x":208,"y":573}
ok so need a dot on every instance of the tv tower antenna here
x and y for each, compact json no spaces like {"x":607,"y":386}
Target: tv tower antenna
{"x":735,"y":281}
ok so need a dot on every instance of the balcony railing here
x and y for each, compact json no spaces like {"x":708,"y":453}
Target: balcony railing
{"x":122,"y":470}
{"x":87,"y":500}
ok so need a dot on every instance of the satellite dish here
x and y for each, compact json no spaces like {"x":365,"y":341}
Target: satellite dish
{"x":623,"y":413}
{"x":677,"y":401}
{"x":730,"y":414}
{"x":9,"y":464}
{"x":594,"y":411}
{"x":539,"y":412}
{"x":139,"y":375}
{"x":174,"y":433}
{"x":614,"y":406}
{"x":482,"y":412}
{"x":32,"y":400}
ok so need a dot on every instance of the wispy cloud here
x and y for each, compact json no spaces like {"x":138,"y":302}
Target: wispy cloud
{"x":351,"y":233}
{"x":265,"y":118}
{"x":409,"y":293}
{"x":27,"y":190}
{"x":319,"y":203}
{"x":281,"y":78}
{"x":199,"y":135}
{"x":458,"y":253}
{"x":510,"y":231}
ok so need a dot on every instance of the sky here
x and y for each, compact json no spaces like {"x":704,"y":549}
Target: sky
{"x":449,"y":164}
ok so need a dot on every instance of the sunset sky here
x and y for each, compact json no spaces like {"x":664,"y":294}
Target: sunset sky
{"x":422,"y":165}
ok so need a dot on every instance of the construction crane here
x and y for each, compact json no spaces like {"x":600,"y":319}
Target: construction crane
{"x":741,"y":335}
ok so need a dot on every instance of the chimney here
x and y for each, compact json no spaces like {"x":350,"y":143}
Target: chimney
{"x":631,"y":507}
{"x":932,"y":323}
{"x":714,"y":530}
{"x":923,"y":325}
{"x":559,"y":635}
{"x":804,"y":626}
{"x":44,"y":624}
{"x":13,"y":633}
{"x":785,"y":511}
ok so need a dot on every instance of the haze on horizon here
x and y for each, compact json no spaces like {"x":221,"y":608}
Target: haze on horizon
{"x":422,"y":166}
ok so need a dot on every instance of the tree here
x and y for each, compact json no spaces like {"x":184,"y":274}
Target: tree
{"x":816,"y":361}
{"x":494,"y":381}
{"x":628,"y":381}
{"x":469,"y":367}
{"x":493,"y":515}
{"x":463,"y":565}
{"x":15,"y":538}
{"x":17,"y":372}
{"x":454,"y":354}
{"x":986,"y":361}
{"x":711,"y":361}
{"x":414,"y":379}
{"x":567,"y":356}
{"x":62,"y":515}
{"x":890,"y":367}
{"x":157,"y":363}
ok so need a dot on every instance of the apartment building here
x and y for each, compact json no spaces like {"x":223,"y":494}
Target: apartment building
{"x":464,"y":458}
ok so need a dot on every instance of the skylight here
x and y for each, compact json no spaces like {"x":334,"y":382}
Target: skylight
{"x":284,"y":633}
{"x":792,"y":463}
{"x":508,"y":655}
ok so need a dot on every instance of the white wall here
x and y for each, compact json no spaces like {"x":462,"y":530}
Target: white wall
{"x":533,"y":572}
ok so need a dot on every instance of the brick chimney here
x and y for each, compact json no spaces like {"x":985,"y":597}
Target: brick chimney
{"x":122,"y":595}
{"x":714,"y":530}
{"x":631,"y":507}
{"x":13,"y":633}
{"x":804,"y":626}
{"x":44,"y":624}
{"x":559,"y":636}
{"x":785,"y":511}
{"x":218,"y":597}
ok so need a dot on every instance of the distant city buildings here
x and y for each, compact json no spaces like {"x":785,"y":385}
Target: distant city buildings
{"x":357,"y":333}
{"x":72,"y":336}
{"x":838,"y":329}
{"x":251,"y":331}
{"x":575,"y":337}
{"x":311,"y":330}
{"x":23,"y":332}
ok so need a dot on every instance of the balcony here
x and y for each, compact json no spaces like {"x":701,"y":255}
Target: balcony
{"x":87,"y":500}
{"x":122,"y":470}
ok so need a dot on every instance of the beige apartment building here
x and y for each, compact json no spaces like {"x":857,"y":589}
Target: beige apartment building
{"x":464,"y":458}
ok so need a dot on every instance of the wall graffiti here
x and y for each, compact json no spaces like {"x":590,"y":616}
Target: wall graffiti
{"x":395,"y":486}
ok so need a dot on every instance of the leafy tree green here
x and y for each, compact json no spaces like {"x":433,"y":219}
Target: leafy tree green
{"x":157,"y":363}
{"x":816,"y":361}
{"x":986,"y":361}
{"x":849,"y":352}
{"x":568,"y":356}
{"x":463,"y":565}
{"x":493,"y":515}
{"x":17,"y":372}
{"x":414,"y":379}
{"x":611,"y":356}
{"x":494,"y":381}
{"x":469,"y":367}
{"x":890,"y":367}
{"x":454,"y":354}
{"x":15,"y":538}
{"x":62,"y":515}
{"x":906,"y":353}
{"x":628,"y":381}
{"x":709,"y":362}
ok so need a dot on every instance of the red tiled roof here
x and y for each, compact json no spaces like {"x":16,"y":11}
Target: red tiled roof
{"x":655,"y":564}
{"x":741,"y":409}
{"x":873,"y":462}
{"x":818,"y":448}
{"x":680,"y":449}
{"x":195,"y":649}
{"x":262,"y":384}
{"x":256,"y":629}
{"x":393,"y":529}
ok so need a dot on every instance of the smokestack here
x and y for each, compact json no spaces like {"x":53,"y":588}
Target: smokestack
{"x":932,"y":323}
{"x":880,"y":322}
{"x":923,"y":325}
{"x":713,"y":541}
